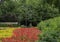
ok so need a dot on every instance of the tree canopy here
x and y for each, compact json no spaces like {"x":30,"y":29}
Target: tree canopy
{"x":30,"y":11}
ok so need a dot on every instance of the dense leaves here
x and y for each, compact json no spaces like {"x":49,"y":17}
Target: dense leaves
{"x":27,"y":11}
{"x":50,"y":30}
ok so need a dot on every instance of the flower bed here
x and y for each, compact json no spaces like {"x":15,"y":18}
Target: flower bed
{"x":7,"y":32}
{"x":23,"y":35}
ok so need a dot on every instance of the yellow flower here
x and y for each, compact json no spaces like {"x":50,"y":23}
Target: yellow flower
{"x":8,"y":32}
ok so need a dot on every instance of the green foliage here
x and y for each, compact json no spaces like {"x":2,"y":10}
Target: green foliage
{"x":36,"y":11}
{"x":51,"y":23}
{"x":27,"y":10}
{"x":56,"y":3}
{"x":46,"y":11}
{"x":50,"y":30}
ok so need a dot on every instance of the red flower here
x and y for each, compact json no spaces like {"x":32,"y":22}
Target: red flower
{"x":23,"y":35}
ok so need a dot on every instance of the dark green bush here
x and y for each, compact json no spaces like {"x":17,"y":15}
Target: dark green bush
{"x":32,"y":11}
{"x":50,"y":30}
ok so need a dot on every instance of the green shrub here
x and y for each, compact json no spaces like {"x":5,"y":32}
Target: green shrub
{"x":50,"y":30}
{"x":51,"y":23}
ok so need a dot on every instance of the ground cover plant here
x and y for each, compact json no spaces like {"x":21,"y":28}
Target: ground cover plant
{"x":20,"y":35}
{"x":7,"y":32}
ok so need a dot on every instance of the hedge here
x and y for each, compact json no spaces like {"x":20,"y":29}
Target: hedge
{"x":50,"y":30}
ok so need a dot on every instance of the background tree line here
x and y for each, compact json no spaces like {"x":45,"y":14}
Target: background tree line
{"x":28,"y":11}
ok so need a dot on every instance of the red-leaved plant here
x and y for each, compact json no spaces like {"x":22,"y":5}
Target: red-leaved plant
{"x":23,"y":35}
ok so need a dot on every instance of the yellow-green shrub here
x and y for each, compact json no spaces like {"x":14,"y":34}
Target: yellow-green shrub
{"x":50,"y":30}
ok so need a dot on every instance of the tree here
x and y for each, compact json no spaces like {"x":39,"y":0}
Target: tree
{"x":32,"y":11}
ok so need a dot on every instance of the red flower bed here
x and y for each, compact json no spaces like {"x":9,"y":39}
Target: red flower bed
{"x":23,"y":35}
